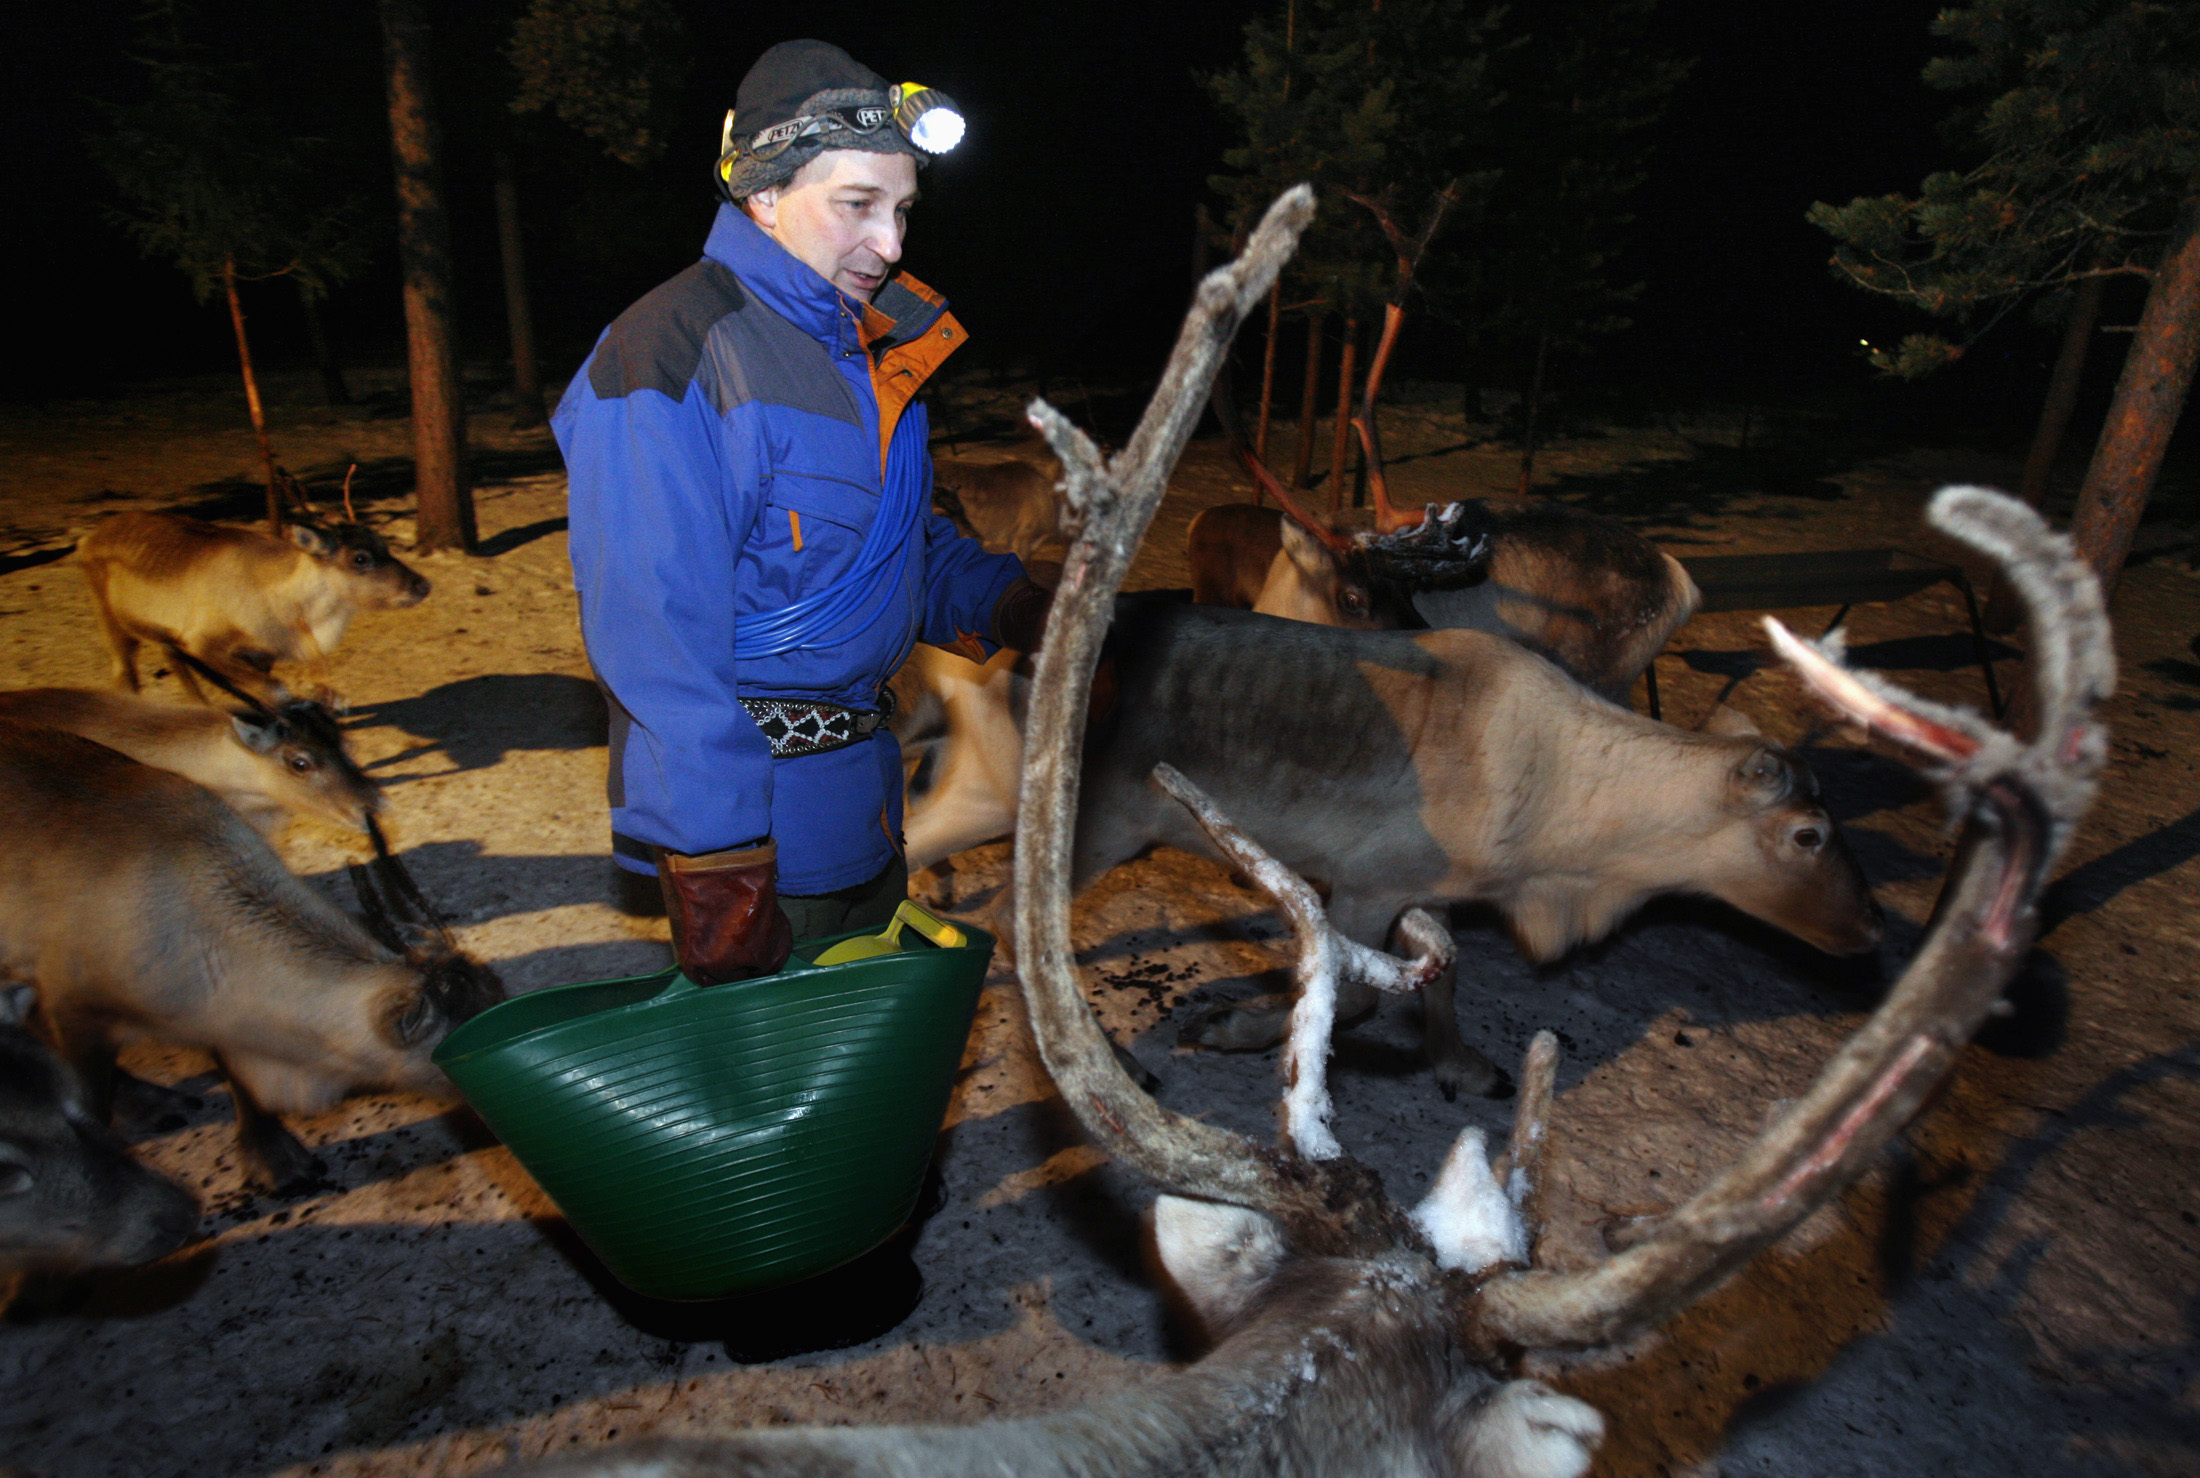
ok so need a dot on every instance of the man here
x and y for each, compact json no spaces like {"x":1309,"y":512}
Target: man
{"x":750,"y":524}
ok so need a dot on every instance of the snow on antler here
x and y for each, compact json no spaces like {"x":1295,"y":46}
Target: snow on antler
{"x":1325,"y":957}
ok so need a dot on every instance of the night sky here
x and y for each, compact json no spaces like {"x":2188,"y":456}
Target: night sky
{"x":1062,"y":230}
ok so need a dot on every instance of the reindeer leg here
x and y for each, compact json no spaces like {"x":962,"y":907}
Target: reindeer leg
{"x":184,"y":675}
{"x":274,"y":1158}
{"x":1455,"y":1064}
{"x":81,"y":1042}
{"x":143,"y":1106}
{"x":1252,"y":1025}
{"x":120,"y":643}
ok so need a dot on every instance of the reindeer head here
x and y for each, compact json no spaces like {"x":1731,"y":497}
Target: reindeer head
{"x":360,"y":561}
{"x":1344,"y":573}
{"x":1307,"y":1203}
{"x":452,"y":986}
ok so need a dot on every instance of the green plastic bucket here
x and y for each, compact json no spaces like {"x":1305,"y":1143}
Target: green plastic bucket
{"x":713,"y":1140}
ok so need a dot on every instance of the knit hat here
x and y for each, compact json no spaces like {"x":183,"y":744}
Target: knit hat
{"x":802,"y":79}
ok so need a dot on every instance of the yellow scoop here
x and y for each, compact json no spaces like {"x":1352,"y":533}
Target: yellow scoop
{"x":888,"y":940}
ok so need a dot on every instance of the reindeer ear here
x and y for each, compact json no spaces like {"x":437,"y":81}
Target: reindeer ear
{"x":256,"y":732}
{"x":1729,"y":722}
{"x":1220,"y":1257}
{"x":1763,"y":777}
{"x":310,"y":539}
{"x":1305,"y":551}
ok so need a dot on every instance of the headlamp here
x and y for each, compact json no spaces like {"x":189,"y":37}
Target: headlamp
{"x":924,"y":115}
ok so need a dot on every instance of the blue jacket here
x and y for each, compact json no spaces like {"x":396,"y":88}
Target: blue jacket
{"x":725,"y":445}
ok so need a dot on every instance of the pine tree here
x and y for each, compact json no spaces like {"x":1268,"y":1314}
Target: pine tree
{"x":2086,"y":118}
{"x":1373,"y":102}
{"x":1582,"y":89}
{"x":1536,"y":117}
{"x":611,"y":69}
{"x":212,"y":184}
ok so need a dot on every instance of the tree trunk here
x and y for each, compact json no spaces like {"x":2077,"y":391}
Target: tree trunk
{"x":2003,"y":611}
{"x":1267,"y":379}
{"x":1309,"y":394}
{"x":446,"y":506}
{"x":1528,"y":414}
{"x":1341,"y":438}
{"x":2150,"y":394}
{"x":333,"y":388}
{"x":519,"y":314}
{"x":252,"y":396}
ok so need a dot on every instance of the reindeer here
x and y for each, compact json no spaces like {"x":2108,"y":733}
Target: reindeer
{"x":1586,"y":591}
{"x":140,"y":904}
{"x":1358,"y":1335}
{"x":1583,"y":590}
{"x":1439,"y":767}
{"x":71,"y":1195}
{"x":236,"y":599}
{"x":268,"y":763}
{"x":1011,"y":505}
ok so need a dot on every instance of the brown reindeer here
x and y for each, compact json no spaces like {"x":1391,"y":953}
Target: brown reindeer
{"x":1358,"y":1335}
{"x":1586,"y":591}
{"x":270,"y":763}
{"x":238,"y":600}
{"x":1010,"y":506}
{"x":141,"y":905}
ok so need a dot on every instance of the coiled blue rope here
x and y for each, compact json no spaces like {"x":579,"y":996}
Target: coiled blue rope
{"x":879,"y":565}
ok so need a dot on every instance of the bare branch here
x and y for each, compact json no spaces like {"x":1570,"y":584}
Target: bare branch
{"x":2023,"y":802}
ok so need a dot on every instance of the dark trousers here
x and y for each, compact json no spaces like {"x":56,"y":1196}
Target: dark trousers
{"x":867,"y":905}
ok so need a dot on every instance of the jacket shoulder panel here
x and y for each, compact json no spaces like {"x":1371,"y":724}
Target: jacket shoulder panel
{"x":755,"y":355}
{"x":658,"y":342}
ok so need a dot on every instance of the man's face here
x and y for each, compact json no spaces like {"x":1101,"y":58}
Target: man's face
{"x":842,"y":215}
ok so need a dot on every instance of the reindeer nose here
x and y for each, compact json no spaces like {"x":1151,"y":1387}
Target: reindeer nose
{"x":1869,"y":932}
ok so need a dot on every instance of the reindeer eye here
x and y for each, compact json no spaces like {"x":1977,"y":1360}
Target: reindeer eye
{"x":1353,"y":599}
{"x":418,"y":1020}
{"x":300,"y":763}
{"x":1809,"y":838}
{"x":360,"y":559}
{"x":14,"y":1179}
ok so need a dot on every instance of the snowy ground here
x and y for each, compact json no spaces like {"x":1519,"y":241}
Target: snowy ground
{"x":2013,"y":1293}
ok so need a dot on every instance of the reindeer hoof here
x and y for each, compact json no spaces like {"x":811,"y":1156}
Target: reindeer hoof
{"x":1472,"y":1072}
{"x":281,"y":1166}
{"x":1238,"y":1026}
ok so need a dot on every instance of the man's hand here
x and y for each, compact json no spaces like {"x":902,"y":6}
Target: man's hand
{"x":1020,"y":616}
{"x":724,"y":907}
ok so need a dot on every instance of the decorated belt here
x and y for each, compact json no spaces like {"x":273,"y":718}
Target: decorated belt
{"x":799,"y":726}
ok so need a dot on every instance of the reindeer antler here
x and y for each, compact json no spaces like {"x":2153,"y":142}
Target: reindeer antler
{"x":1388,"y":519}
{"x":1325,"y":1206}
{"x":2022,"y":801}
{"x":1324,"y":957}
{"x":1225,"y":408}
